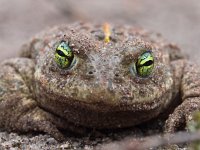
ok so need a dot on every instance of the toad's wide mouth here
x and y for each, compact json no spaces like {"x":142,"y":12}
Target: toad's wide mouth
{"x":101,"y":115}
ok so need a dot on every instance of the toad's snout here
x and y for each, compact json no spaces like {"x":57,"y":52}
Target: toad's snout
{"x":104,"y":81}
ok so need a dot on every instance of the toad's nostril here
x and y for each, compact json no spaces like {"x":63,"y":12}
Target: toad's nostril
{"x":90,"y":72}
{"x":116,"y":75}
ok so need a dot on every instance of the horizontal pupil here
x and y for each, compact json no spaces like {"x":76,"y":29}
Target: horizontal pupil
{"x":63,"y":55}
{"x":148,"y":63}
{"x":60,"y":53}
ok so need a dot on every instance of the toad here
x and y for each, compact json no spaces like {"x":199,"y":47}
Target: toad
{"x":81,"y":76}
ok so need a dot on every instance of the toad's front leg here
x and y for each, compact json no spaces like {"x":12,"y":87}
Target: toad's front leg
{"x":18,"y":109}
{"x":190,"y":95}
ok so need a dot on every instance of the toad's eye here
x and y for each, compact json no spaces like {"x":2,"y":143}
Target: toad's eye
{"x":144,"y":64}
{"x":64,"y":56}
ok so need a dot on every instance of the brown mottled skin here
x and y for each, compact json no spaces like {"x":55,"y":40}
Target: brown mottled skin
{"x":99,"y":92}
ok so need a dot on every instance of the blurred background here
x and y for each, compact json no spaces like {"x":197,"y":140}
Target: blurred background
{"x":177,"y":20}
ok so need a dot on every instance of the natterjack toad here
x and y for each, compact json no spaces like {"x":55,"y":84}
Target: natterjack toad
{"x":84,"y":76}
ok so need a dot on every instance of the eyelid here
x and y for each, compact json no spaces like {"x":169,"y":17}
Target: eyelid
{"x":132,"y":56}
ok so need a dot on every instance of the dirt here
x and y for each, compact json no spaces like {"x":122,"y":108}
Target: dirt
{"x":35,"y":141}
{"x":177,"y":20}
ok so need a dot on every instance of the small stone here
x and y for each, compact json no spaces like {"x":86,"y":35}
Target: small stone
{"x":65,"y":145}
{"x":51,"y":141}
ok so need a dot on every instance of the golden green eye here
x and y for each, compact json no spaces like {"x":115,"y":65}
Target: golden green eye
{"x":144,"y":64}
{"x":64,"y":56}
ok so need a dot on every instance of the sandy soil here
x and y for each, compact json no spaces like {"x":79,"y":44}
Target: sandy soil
{"x":177,"y":20}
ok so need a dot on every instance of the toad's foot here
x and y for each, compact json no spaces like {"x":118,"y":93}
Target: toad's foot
{"x":190,"y":92}
{"x":39,"y":120}
{"x":19,"y":111}
{"x":182,"y":114}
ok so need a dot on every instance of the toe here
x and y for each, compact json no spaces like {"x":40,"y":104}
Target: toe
{"x":40,"y":121}
{"x":175,"y":120}
{"x":182,"y":114}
